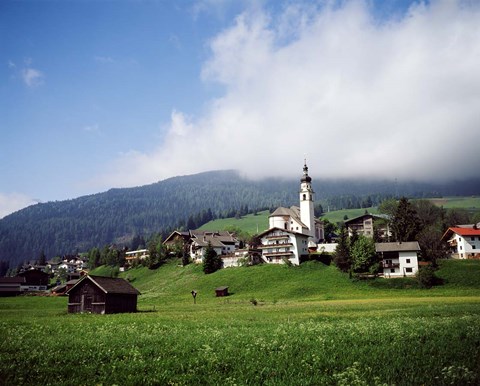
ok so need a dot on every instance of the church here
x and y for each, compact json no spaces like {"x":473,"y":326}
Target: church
{"x":293,"y":231}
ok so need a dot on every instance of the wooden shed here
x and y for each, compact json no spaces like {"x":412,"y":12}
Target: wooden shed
{"x":221,"y":291}
{"x":102,"y":295}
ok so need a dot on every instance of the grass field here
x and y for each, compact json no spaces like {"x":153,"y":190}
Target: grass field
{"x":311,"y":326}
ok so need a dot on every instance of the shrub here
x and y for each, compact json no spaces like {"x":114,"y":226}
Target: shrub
{"x":426,"y":277}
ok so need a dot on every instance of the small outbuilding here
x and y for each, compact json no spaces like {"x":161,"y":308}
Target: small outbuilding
{"x":221,"y":291}
{"x":102,"y":295}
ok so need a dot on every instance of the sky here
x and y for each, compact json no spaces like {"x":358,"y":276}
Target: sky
{"x":102,"y":94}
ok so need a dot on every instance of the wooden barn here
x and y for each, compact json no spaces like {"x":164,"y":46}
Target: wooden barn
{"x":102,"y":295}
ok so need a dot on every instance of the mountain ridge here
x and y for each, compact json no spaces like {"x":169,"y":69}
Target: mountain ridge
{"x":118,"y":214}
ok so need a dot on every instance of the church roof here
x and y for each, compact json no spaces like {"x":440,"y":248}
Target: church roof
{"x":292,"y":212}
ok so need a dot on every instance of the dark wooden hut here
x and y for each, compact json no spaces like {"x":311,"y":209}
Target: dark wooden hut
{"x":102,"y":295}
{"x":35,"y":280}
{"x":221,"y":291}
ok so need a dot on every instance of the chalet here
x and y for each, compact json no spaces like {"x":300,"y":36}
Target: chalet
{"x":223,"y":243}
{"x":367,"y":224}
{"x":35,"y":280}
{"x":177,"y":237}
{"x":463,"y":242}
{"x":11,"y":286}
{"x":102,"y":295}
{"x":398,"y":259}
{"x":280,"y":244}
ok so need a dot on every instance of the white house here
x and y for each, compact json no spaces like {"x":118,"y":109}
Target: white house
{"x":223,"y":242}
{"x":139,"y":254}
{"x":464,"y":243}
{"x":279,"y":244}
{"x":399,"y":259}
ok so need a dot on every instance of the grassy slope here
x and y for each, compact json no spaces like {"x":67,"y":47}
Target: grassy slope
{"x":312,"y":281}
{"x":251,"y":223}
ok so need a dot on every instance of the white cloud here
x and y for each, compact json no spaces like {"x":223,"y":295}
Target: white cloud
{"x":32,"y":77}
{"x":11,"y":202}
{"x":358,"y":96}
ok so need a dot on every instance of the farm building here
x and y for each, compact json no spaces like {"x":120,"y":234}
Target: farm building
{"x":11,"y":286}
{"x":35,"y":280}
{"x":102,"y":295}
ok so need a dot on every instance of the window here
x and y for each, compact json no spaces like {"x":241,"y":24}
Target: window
{"x":408,"y":261}
{"x":472,"y":238}
{"x":473,"y":246}
{"x":461,"y":247}
{"x":408,"y":270}
{"x":304,"y":197}
{"x":392,"y":270}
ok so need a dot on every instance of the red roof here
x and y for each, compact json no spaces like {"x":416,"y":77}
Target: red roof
{"x":461,"y":231}
{"x":465,"y":231}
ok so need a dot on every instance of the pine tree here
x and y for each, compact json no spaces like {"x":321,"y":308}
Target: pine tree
{"x":405,"y":222}
{"x":342,"y":252}
{"x":211,"y":261}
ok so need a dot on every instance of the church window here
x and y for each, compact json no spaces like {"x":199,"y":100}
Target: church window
{"x":285,"y":226}
{"x":304,"y":197}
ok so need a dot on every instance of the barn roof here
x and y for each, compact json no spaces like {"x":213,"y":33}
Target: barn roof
{"x":109,"y":285}
{"x":12,"y":280}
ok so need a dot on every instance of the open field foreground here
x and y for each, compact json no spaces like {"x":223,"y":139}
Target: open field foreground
{"x":339,"y":332}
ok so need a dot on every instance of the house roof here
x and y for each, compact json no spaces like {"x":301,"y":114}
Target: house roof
{"x":282,"y":230}
{"x":216,"y":239}
{"x":397,"y":247}
{"x":460,"y":231}
{"x":12,"y":280}
{"x":109,"y":285}
{"x":171,"y":237}
{"x":366,"y":215}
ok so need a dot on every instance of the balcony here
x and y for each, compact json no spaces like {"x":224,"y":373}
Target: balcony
{"x":281,"y":245}
{"x":390,"y":265}
{"x":284,"y":253}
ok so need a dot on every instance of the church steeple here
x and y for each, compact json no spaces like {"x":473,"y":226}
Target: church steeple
{"x":306,"y":201}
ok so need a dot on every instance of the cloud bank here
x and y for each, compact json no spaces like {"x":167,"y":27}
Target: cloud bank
{"x":358,"y":96}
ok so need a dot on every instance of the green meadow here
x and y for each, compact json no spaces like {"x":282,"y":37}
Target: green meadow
{"x":307,"y":325}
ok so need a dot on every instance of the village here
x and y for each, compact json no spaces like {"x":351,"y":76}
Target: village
{"x":293,"y":235}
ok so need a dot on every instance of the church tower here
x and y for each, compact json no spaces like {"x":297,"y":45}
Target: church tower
{"x":306,"y":202}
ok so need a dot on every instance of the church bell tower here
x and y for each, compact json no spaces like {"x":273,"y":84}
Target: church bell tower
{"x":306,"y":202}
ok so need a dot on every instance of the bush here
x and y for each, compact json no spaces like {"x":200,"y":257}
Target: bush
{"x":426,"y":277}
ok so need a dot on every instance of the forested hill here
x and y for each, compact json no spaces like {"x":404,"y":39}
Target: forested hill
{"x":115,"y":216}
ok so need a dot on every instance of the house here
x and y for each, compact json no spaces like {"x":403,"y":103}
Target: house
{"x":398,"y":258}
{"x":223,"y":243}
{"x":248,"y":256}
{"x":140,"y":254}
{"x":367,"y":224}
{"x":177,"y":237}
{"x":102,"y":295}
{"x":300,"y":219}
{"x":11,"y":286}
{"x":279,"y":244}
{"x":35,"y":280}
{"x":463,"y":242}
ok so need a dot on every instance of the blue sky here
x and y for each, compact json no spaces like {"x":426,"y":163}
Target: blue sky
{"x":101,"y":94}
